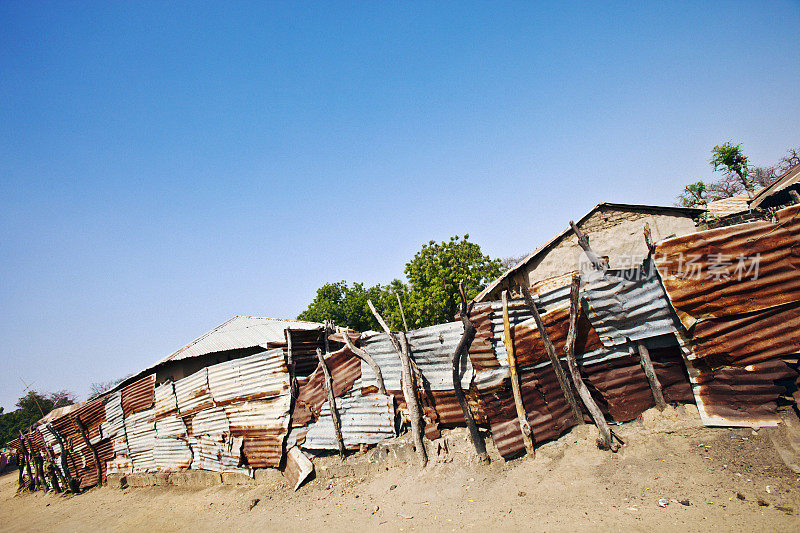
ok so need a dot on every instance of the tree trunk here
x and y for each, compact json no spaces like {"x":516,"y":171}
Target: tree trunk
{"x":522,"y":415}
{"x":606,"y":441}
{"x":92,"y":449}
{"x":551,"y":353}
{"x":328,"y":381}
{"x":409,"y":388}
{"x":462,"y":348}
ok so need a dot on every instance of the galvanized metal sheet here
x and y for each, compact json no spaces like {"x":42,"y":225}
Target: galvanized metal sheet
{"x":366,"y":419}
{"x":114,"y":425}
{"x":172,"y":454}
{"x":210,"y":421}
{"x":193,"y":394}
{"x":255,"y":417}
{"x":262,"y":375}
{"x":732,"y":270}
{"x":627,"y":304}
{"x":431,"y":349}
{"x":170,"y":427}
{"x":165,"y":402}
{"x":218,"y":453}
{"x":141,"y":432}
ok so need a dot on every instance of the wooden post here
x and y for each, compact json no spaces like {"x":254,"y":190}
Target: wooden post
{"x":606,"y":441}
{"x":363,"y":355}
{"x":60,"y":480}
{"x":463,"y":345}
{"x":409,"y":389}
{"x":21,"y":468}
{"x":794,"y":196}
{"x":402,"y":313}
{"x":27,"y":457}
{"x":41,"y":481}
{"x":522,"y":415}
{"x":92,"y":449}
{"x":290,"y":363}
{"x":72,"y":483}
{"x":337,"y":428}
{"x":583,"y":241}
{"x":648,"y":238}
{"x":649,"y":371}
{"x":51,"y":469}
{"x":551,"y":353}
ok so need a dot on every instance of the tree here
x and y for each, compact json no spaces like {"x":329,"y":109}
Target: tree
{"x":433,"y":276}
{"x":694,"y":195}
{"x":430,"y":296}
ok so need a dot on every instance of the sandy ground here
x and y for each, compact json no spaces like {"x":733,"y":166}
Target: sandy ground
{"x":719,"y":473}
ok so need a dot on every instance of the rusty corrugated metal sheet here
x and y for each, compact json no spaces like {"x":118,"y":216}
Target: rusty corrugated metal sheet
{"x":304,"y":348}
{"x":481,"y":351}
{"x":92,"y":414}
{"x":210,"y":421}
{"x":263,"y":375}
{"x":218,"y":453}
{"x":366,"y":419}
{"x":777,"y":246}
{"x":747,"y":339}
{"x":345,"y":369}
{"x":264,"y":425}
{"x":139,"y":395}
{"x":528,"y":345}
{"x":172,"y":454}
{"x":739,"y":396}
{"x":627,"y":304}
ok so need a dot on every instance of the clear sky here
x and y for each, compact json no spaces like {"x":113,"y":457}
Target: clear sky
{"x":165,"y":166}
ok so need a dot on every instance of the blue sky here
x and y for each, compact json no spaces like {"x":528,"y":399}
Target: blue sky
{"x":165,"y":166}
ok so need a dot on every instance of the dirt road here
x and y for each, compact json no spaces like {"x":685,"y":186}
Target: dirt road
{"x":713,"y":478}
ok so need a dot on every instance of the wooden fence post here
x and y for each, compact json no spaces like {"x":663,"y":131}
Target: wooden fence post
{"x":522,"y":415}
{"x":92,"y":449}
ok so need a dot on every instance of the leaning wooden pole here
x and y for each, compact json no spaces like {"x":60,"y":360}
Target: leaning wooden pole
{"x":551,"y":353}
{"x":367,"y":358}
{"x":522,"y":415}
{"x":606,"y":441}
{"x":72,"y":483}
{"x":85,"y":435}
{"x":337,"y":426}
{"x":59,"y":480}
{"x":649,"y":371}
{"x":409,"y":389}
{"x":462,"y":348}
{"x":290,"y":363}
{"x":27,"y":457}
{"x":583,"y":242}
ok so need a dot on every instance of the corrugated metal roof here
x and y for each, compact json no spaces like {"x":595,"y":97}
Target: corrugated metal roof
{"x":789,"y":178}
{"x":239,"y":332}
{"x":366,"y":419}
{"x":627,"y":304}
{"x":710,"y":287}
{"x":262,"y":375}
{"x":431,"y":348}
{"x":729,"y":206}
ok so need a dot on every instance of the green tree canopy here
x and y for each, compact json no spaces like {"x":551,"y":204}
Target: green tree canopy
{"x":30,"y":408}
{"x":430,"y":296}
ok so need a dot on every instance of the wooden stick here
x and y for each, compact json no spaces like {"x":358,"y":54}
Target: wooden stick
{"x":649,"y":371}
{"x":92,"y":449}
{"x":409,"y":388}
{"x":41,"y":481}
{"x":551,"y":353}
{"x":72,"y":483}
{"x":328,"y":381}
{"x":583,"y":241}
{"x":648,"y":238}
{"x":522,"y":415}
{"x":402,"y":314}
{"x":26,"y":452}
{"x":463,"y":345}
{"x":363,"y":355}
{"x":605,"y":441}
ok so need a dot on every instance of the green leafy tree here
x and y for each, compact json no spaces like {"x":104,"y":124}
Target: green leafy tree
{"x":694,"y":195}
{"x":433,"y":276}
{"x":430,"y":296}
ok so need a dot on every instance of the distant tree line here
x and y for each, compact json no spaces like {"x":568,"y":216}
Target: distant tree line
{"x":29,"y":409}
